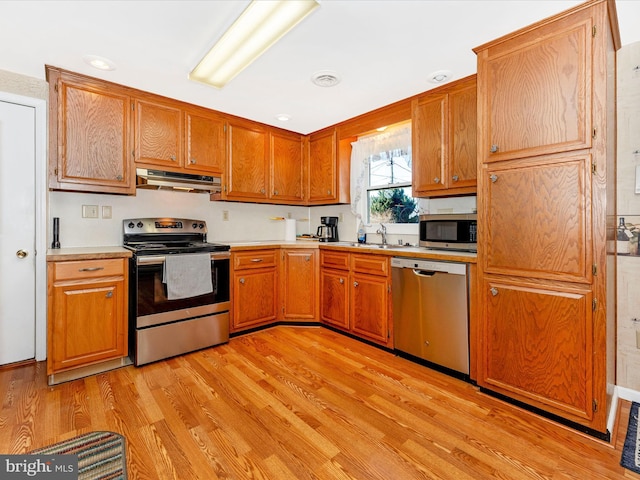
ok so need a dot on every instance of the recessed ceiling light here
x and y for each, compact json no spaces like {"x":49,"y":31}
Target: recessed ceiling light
{"x":325,"y":78}
{"x":283,"y":117}
{"x":441,"y":76}
{"x":100,"y":63}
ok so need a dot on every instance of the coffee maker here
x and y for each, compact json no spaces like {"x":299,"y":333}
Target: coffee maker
{"x":328,"y":231}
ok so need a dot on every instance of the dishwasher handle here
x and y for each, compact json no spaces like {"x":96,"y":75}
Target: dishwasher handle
{"x":424,"y":273}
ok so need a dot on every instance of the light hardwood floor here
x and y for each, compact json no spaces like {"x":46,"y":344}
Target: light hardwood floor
{"x":300,"y":403}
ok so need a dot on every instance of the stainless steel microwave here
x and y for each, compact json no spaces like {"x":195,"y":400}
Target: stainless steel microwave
{"x":456,"y":231}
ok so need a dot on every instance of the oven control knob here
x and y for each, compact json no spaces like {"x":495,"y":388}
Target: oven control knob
{"x":194,"y":225}
{"x":139,"y":224}
{"x":201,"y":225}
{"x":130,"y":225}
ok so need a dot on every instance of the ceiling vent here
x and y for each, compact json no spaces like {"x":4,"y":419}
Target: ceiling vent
{"x":325,"y":78}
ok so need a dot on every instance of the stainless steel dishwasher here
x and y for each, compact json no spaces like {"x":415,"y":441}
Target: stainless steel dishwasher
{"x":430,"y":311}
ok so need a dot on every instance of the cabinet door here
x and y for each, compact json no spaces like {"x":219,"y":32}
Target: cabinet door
{"x":248,"y":161}
{"x":205,"y":143}
{"x":429,"y":138}
{"x":537,"y":91}
{"x":286,"y":168}
{"x":537,"y":219}
{"x":88,"y":323}
{"x":93,"y":151}
{"x":334,"y":295}
{"x":299,"y":289}
{"x":158,"y":134}
{"x":369,"y":311}
{"x":254,"y":298}
{"x":463,"y":114}
{"x":322,"y":168}
{"x":537,"y":346}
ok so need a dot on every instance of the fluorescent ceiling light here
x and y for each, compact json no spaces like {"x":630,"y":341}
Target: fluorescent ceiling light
{"x":262,"y":24}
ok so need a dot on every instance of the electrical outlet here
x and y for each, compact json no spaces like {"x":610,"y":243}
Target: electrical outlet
{"x":289,"y":215}
{"x":225,"y":215}
{"x":106,"y":211}
{"x":89,"y":211}
{"x":340,"y":218}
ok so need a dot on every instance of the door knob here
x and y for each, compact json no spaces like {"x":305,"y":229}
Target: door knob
{"x":22,"y":253}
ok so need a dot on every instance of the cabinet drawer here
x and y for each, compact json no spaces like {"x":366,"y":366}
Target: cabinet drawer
{"x":88,"y":269}
{"x":339,"y":260}
{"x":371,"y":264}
{"x":255,"y":259}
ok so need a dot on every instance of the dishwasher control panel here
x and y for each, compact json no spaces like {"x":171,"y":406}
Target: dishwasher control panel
{"x":454,"y":268}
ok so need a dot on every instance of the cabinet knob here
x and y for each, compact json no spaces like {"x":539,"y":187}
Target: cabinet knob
{"x":494,"y":291}
{"x":493,"y":177}
{"x":494,"y":148}
{"x":262,"y":190}
{"x":355,"y":284}
{"x":109,"y":294}
{"x":341,"y":281}
{"x":455,"y":178}
{"x":119,"y":178}
{"x":275,"y":192}
{"x":242,"y":281}
{"x":328,"y":192}
{"x":436,"y":180}
{"x":192,"y":161}
{"x":307,"y":258}
{"x":172,"y":158}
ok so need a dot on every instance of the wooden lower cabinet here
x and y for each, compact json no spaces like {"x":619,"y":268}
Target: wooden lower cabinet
{"x":254,"y":288}
{"x":358,"y":298}
{"x":87,"y":313}
{"x":298,"y":290}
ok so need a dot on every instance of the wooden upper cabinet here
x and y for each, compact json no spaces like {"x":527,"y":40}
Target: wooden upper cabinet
{"x":429,"y":137}
{"x":444,"y":128}
{"x":463,"y":130}
{"x":286,"y":167}
{"x":537,"y":91}
{"x":89,"y":135}
{"x":205,"y":144}
{"x":321,"y":170}
{"x":158,"y":138}
{"x":247,"y":162}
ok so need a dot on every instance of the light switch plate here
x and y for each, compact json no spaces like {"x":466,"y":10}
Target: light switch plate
{"x":106,"y":211}
{"x":89,"y":211}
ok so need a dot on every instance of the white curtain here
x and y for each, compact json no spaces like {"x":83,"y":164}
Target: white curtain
{"x":362,"y":150}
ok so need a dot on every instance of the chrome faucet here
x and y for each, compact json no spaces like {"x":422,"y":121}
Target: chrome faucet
{"x":383,"y":231}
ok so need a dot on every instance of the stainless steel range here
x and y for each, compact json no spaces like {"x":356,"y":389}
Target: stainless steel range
{"x":179,"y":288}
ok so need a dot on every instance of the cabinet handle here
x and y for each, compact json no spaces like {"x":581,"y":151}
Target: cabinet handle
{"x":193,"y":161}
{"x":454,"y":178}
{"x":436,"y":180}
{"x":355,"y":284}
{"x":494,"y":291}
{"x":494,"y":148}
{"x":172,"y":158}
{"x":275,"y":192}
{"x":242,"y":281}
{"x":109,"y":294}
{"x":493,"y":177}
{"x":256,"y":260}
{"x":90,"y":269}
{"x":119,"y":178}
{"x":341,"y":281}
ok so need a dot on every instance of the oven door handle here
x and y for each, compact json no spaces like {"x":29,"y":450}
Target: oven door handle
{"x":159,"y":259}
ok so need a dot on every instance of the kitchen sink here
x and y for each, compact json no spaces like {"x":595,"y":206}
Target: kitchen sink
{"x":389,"y":246}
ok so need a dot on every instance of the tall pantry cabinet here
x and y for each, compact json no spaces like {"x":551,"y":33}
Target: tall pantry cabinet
{"x":546,"y":203}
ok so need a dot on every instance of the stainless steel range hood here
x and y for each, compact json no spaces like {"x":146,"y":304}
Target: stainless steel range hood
{"x":161,"y":180}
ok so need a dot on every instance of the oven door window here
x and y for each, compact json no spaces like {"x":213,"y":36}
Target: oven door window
{"x":152,"y":293}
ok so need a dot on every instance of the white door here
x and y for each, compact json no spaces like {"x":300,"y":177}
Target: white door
{"x":17,"y":232}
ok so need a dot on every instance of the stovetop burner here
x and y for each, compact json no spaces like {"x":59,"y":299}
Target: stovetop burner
{"x":160,"y":236}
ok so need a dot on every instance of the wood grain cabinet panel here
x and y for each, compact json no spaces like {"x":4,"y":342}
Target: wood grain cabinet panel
{"x":247,"y":162}
{"x":539,"y":345}
{"x":287,"y":168}
{"x":299,"y":287}
{"x":334,"y":297}
{"x":369,"y":304}
{"x":429,"y":139}
{"x":87,"y":320}
{"x":159,"y":133}
{"x":205,"y":142}
{"x":322,"y":176}
{"x":89,"y":135}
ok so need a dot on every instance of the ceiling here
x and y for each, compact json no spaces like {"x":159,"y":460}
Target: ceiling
{"x":382,"y":50}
